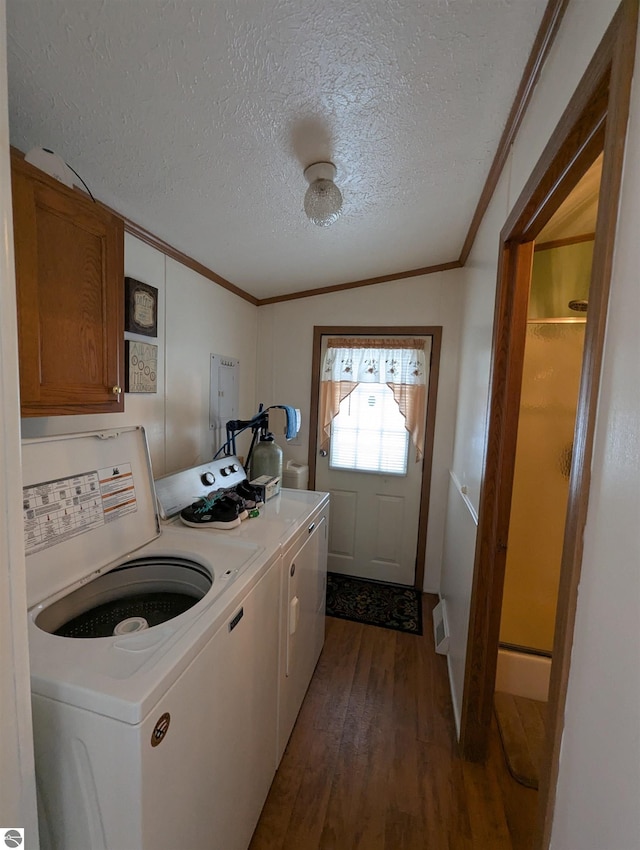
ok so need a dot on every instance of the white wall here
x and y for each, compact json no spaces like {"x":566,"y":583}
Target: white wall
{"x":463,"y":496}
{"x":284,"y":364}
{"x":17,"y":773}
{"x":599,"y":782}
{"x":599,"y":778}
{"x":196,"y":318}
{"x":203,"y":319}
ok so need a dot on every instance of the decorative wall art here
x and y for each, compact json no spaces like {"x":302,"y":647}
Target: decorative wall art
{"x":142,"y":367}
{"x":141,"y":307}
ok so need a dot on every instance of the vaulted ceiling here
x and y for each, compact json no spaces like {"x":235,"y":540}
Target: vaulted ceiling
{"x":196,"y":120}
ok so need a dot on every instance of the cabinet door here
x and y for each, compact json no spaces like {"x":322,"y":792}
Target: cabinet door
{"x":70,"y":292}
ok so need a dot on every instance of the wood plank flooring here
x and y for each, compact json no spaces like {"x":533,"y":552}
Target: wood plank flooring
{"x":372,"y":762}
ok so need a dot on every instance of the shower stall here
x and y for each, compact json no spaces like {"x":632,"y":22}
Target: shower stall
{"x":550,"y":384}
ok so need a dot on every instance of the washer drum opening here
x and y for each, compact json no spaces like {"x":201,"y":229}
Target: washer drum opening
{"x":152,"y":589}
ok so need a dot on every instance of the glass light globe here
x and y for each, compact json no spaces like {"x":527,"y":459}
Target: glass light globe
{"x":323,"y":202}
{"x":323,"y":199}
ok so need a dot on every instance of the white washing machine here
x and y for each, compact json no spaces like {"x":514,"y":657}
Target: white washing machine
{"x":160,"y":736}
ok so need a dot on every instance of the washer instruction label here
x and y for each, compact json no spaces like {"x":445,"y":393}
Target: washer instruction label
{"x":58,"y":510}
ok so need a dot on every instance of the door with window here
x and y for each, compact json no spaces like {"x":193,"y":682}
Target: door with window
{"x":372,"y":414}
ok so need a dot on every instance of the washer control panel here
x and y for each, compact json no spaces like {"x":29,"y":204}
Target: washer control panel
{"x":180,"y":489}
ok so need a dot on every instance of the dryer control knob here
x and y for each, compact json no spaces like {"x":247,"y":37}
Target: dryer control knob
{"x":208,"y":478}
{"x":225,"y":471}
{"x":234,"y":467}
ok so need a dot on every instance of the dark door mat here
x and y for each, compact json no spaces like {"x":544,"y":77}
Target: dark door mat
{"x":521,"y":723}
{"x":390,"y":606}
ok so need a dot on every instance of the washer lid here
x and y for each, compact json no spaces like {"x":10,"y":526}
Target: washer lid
{"x":88,"y":499}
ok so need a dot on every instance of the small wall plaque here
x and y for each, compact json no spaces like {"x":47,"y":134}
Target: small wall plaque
{"x":142,"y":367}
{"x":141,"y":307}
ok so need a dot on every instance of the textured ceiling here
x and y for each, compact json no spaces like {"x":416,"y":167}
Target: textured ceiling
{"x":197,"y":119}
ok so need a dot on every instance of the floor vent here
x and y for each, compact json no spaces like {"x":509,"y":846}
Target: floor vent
{"x":441,"y":628}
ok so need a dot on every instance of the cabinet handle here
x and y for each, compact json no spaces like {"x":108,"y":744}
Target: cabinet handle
{"x":116,"y":390}
{"x":311,"y":527}
{"x":292,"y":571}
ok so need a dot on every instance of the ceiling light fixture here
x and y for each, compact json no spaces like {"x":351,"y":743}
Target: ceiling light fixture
{"x":323,"y":200}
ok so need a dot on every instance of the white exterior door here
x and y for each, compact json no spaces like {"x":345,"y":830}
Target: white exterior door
{"x":373,"y":529}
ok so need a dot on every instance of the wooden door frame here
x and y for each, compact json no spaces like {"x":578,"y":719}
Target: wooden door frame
{"x":435,"y":332}
{"x":595,"y":121}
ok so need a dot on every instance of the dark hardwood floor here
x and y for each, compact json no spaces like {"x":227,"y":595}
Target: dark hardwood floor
{"x":372,"y":763}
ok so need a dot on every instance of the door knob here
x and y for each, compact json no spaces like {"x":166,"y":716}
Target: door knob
{"x":322,"y":452}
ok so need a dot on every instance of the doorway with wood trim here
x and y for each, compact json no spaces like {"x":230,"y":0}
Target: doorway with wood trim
{"x":551,"y":371}
{"x":368,"y":481}
{"x":594,"y":123}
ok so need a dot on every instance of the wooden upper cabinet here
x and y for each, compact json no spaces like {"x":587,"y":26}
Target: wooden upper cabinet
{"x":69,"y":254}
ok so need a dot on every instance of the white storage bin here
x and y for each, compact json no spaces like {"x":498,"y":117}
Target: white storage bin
{"x":295,"y":475}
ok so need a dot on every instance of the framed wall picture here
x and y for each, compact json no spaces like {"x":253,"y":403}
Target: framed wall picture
{"x":141,"y":373}
{"x":141,"y":307}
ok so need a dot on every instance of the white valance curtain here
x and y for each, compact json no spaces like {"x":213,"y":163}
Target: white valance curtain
{"x":401,"y":363}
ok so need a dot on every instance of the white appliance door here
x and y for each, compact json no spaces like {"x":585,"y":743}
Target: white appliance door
{"x":305,"y":577}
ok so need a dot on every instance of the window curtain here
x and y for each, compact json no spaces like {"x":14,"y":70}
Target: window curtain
{"x":399,"y":363}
